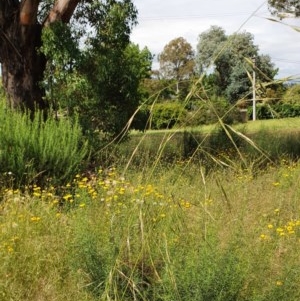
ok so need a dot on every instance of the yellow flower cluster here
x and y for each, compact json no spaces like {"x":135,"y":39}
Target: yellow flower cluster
{"x":289,"y":229}
{"x":9,"y":245}
{"x":106,"y":189}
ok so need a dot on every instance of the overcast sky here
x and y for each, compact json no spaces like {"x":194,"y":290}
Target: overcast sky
{"x":160,"y":21}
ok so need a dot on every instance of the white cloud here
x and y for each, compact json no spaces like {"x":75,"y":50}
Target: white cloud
{"x":161,"y":21}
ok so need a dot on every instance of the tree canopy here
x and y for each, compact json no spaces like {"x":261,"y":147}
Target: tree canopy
{"x":282,"y":7}
{"x":229,"y":59}
{"x":177,"y":60}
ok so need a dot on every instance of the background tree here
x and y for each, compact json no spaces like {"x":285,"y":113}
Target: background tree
{"x":209,"y":47}
{"x":115,"y":93}
{"x":177,"y":61}
{"x":228,"y":58}
{"x":100,"y":83}
{"x":292,"y":94}
{"x":281,"y":7}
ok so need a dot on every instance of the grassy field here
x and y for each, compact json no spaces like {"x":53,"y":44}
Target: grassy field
{"x":288,"y":124}
{"x":156,"y":232}
{"x":261,"y":141}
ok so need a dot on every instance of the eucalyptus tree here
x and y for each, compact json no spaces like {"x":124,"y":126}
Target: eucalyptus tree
{"x":229,"y":57}
{"x":210,"y":43}
{"x":100,"y":82}
{"x":177,"y":61}
{"x":283,"y":7}
{"x":21,"y":25}
{"x":20,"y":40}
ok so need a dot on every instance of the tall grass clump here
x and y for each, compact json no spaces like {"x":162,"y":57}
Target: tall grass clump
{"x":34,"y":150}
{"x":277,"y":144}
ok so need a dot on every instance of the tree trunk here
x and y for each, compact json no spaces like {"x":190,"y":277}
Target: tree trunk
{"x":22,"y":64}
{"x":23,"y":71}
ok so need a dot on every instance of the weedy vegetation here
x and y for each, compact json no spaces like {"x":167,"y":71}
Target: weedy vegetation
{"x":181,"y":215}
{"x":194,"y":213}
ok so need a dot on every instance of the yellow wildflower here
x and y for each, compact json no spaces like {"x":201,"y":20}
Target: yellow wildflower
{"x":262,"y":236}
{"x":67,"y":197}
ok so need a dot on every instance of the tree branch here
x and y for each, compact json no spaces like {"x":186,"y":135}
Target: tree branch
{"x":62,"y":11}
{"x":28,"y":12}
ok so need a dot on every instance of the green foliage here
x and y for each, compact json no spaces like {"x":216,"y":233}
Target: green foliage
{"x":238,"y":87}
{"x":114,"y":69}
{"x":159,"y":89}
{"x":112,"y":20}
{"x":229,"y":57}
{"x":263,"y":111}
{"x":141,"y":118}
{"x":288,"y":110}
{"x":208,"y":274}
{"x":36,"y":151}
{"x":209,"y":47}
{"x":167,"y":115}
{"x":282,"y":7}
{"x":61,"y":48}
{"x":101,"y":82}
{"x":177,"y":60}
{"x":209,"y":111}
{"x":115,"y":91}
{"x":292,"y":95}
{"x":277,"y":110}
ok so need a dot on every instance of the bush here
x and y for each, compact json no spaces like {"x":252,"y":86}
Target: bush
{"x":141,"y":119}
{"x":209,"y":112}
{"x":279,"y":110}
{"x":292,"y":95}
{"x":166,"y":115}
{"x":264,"y":111}
{"x":33,"y":150}
{"x":288,"y":110}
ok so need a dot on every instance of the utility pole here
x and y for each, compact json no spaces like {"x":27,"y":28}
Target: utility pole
{"x":253,"y":91}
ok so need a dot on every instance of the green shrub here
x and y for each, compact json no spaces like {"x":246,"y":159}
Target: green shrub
{"x":292,"y":95}
{"x":264,"y":111}
{"x":279,"y":110}
{"x":209,"y":112}
{"x":288,"y":110}
{"x":33,"y":150}
{"x":141,"y":119}
{"x":210,"y":274}
{"x":166,"y":115}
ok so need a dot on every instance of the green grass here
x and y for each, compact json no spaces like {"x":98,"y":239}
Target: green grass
{"x":288,"y":124}
{"x":172,"y":234}
{"x":284,"y":124}
{"x":258,"y":142}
